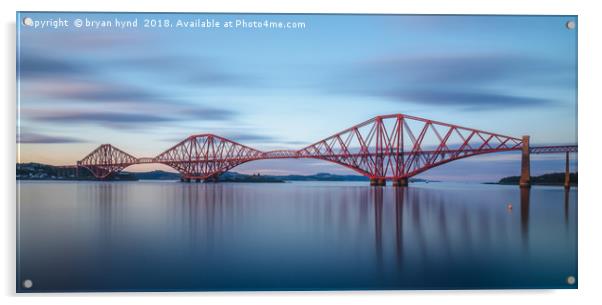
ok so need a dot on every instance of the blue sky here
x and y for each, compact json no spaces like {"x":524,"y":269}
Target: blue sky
{"x":144,"y":89}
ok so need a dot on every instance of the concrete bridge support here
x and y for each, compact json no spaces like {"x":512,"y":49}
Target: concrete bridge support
{"x":525,"y":173}
{"x":77,"y":165}
{"x":567,"y":173}
{"x":378,"y":182}
{"x":400,"y":182}
{"x":212,"y":179}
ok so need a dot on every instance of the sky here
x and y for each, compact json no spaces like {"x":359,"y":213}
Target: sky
{"x":143,"y":89}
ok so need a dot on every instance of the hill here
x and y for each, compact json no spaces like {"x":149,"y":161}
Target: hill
{"x":545,"y":179}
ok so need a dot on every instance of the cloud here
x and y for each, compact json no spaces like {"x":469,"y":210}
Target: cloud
{"x":294,"y":142}
{"x":468,"y":100}
{"x":51,"y":78}
{"x":67,"y":79}
{"x":219,"y":78}
{"x":36,"y":138}
{"x":68,"y":101}
{"x":461,"y":68}
{"x":180,"y":69}
{"x":77,"y":90}
{"x":128,"y":118}
{"x":465,"y":81}
{"x":250,"y":137}
{"x":35,"y":65}
{"x":92,"y":54}
{"x":207,"y":113}
{"x":99,"y":117}
{"x":112,"y":93}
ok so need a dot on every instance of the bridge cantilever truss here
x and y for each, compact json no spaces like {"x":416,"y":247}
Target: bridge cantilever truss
{"x":206,"y":156}
{"x":397,"y":146}
{"x":393,"y":147}
{"x":106,"y":160}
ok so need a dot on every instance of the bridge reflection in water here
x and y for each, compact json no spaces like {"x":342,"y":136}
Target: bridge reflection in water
{"x":295,"y":236}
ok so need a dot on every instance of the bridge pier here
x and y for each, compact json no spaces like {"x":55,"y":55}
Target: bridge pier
{"x":378,"y":182}
{"x":212,"y":179}
{"x":525,"y":173}
{"x":567,"y":173}
{"x":400,"y":182}
{"x":184,"y":179}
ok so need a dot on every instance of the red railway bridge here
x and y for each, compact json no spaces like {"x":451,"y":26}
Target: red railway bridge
{"x":388,"y":147}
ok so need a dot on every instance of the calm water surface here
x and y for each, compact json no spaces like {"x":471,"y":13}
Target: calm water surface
{"x":140,"y":236}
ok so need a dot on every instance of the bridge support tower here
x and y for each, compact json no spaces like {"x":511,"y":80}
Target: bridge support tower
{"x":211,"y":179}
{"x":378,"y":182}
{"x":567,"y":173}
{"x":400,"y":182}
{"x":525,"y":173}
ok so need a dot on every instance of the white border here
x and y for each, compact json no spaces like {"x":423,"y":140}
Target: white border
{"x":589,"y":26}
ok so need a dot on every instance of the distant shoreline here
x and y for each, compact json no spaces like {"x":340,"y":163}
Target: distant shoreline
{"x":38,"y":171}
{"x":43,"y":172}
{"x":552,"y":179}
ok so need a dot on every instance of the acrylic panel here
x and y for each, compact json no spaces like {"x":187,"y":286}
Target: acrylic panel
{"x":229,"y":152}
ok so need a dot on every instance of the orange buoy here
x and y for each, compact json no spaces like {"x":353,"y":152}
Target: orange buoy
{"x":509,"y":206}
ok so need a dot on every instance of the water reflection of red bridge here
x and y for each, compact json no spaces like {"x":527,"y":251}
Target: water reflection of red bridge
{"x":388,"y":147}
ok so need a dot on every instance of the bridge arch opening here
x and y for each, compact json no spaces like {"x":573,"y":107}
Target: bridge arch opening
{"x":150,"y":167}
